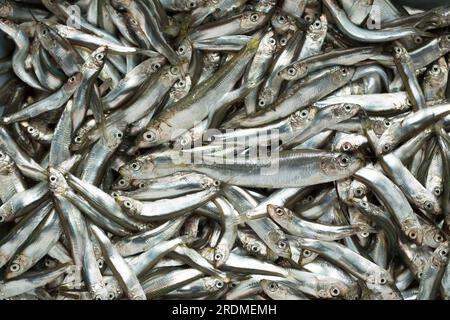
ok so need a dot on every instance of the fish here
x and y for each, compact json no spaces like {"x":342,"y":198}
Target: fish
{"x":224,"y":150}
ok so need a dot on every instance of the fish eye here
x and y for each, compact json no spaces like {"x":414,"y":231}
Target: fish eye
{"x":30,"y":129}
{"x":308,"y":18}
{"x":383,"y":280}
{"x":438,"y":238}
{"x":219,"y":284}
{"x":291,"y":71}
{"x":156,"y":66}
{"x":218,"y":256}
{"x":443,"y":252}
{"x":119,"y":135}
{"x":122,"y":182}
{"x":435,"y":69}
{"x":2,"y":155}
{"x":77,"y":139}
{"x":254,"y":17}
{"x":448,"y":37}
{"x":72,"y":79}
{"x":317,"y":24}
{"x":135,"y":166}
{"x":261,"y":102}
{"x":100,"y":263}
{"x":348,"y":107}
{"x":279,"y":211}
{"x":364,"y":204}
{"x":282,"y":244}
{"x":48,"y":263}
{"x":386,"y":147}
{"x":181,"y":50}
{"x":216,"y":183}
{"x":98,"y":297}
{"x":255,"y":248}
{"x":306,"y":253}
{"x":44,"y":32}
{"x":192,"y":4}
{"x":272,"y":41}
{"x":387,"y":123}
{"x":2,"y":218}
{"x":114,"y":194}
{"x":181,"y":83}
{"x":437,"y":191}
{"x":53,"y":179}
{"x":420,"y":274}
{"x":398,"y":50}
{"x":174,"y":70}
{"x":412,"y":235}
{"x":304,"y":114}
{"x":273,"y":286}
{"x":127,"y":204}
{"x":15,"y":267}
{"x":344,"y":161}
{"x":335,"y":291}
{"x":111,"y":296}
{"x":418,"y":39}
{"x":149,"y":136}
{"x":428,"y":205}
{"x":344,"y":72}
{"x":282,"y":19}
{"x":283,"y":41}
{"x":346,"y":146}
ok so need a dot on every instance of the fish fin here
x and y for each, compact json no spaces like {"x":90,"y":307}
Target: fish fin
{"x":424,"y":34}
{"x":242,"y":218}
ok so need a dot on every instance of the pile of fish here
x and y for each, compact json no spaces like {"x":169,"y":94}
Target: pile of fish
{"x":224,"y":149}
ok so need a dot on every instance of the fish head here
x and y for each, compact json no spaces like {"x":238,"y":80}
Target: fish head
{"x":73,"y":82}
{"x":385,"y":144}
{"x":6,"y":162}
{"x":283,"y":23}
{"x":280,"y":213}
{"x":268,"y":43}
{"x":221,"y":254}
{"x":98,"y":57}
{"x":56,"y":181}
{"x":130,"y":206}
{"x":181,"y":88}
{"x":156,"y":133}
{"x":213,"y":284}
{"x":296,"y":71}
{"x":444,"y":42}
{"x":400,"y":54}
{"x":318,"y":28}
{"x":6,"y":9}
{"x":121,"y":184}
{"x":341,"y":75}
{"x":358,"y":190}
{"x":134,"y":168}
{"x":331,"y":288}
{"x":185,"y":50}
{"x":432,"y":236}
{"x":17,"y":266}
{"x":113,"y":137}
{"x":251,"y":19}
{"x":344,"y":111}
{"x":9,"y":27}
{"x":341,"y":164}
